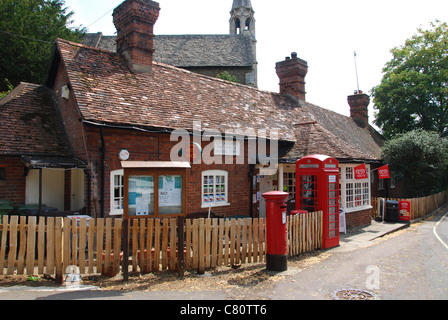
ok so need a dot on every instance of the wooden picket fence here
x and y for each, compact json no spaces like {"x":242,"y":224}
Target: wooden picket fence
{"x":420,"y":207}
{"x":40,"y":245}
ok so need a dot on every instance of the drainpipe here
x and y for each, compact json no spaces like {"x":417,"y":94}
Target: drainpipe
{"x":103,"y":159}
{"x":251,"y":179}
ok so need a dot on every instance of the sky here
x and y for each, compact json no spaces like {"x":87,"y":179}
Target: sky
{"x":325,"y":33}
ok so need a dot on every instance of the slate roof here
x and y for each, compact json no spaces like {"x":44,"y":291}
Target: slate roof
{"x":29,"y":123}
{"x":187,"y":51}
{"x":108,"y":92}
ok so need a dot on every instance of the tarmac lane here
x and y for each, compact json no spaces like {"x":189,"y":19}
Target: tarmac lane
{"x":440,"y":230}
{"x":409,"y":265}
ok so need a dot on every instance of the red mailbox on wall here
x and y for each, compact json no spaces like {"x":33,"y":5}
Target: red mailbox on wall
{"x":317,"y":189}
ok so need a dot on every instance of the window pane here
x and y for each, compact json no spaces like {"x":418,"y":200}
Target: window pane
{"x":214,"y":189}
{"x":141,"y":195}
{"x":170,"y":195}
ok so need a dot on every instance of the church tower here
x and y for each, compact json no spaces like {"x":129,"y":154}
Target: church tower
{"x":242,"y":22}
{"x":242,"y":18}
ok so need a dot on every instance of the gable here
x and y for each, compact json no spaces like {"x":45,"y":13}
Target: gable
{"x":30,"y":124}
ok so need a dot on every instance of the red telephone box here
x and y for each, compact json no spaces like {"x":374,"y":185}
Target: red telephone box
{"x":317,"y":189}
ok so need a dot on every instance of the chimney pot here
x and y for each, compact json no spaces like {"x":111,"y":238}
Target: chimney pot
{"x":292,"y":73}
{"x":134,"y":20}
{"x":359,"y":111}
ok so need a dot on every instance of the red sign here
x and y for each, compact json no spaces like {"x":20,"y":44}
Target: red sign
{"x":361,"y":172}
{"x":404,"y":208}
{"x":383,"y":172}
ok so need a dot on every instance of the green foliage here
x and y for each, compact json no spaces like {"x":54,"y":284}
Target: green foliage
{"x":420,"y":160}
{"x":9,"y":86}
{"x":413,"y":93}
{"x":28,"y":29}
{"x":225,"y":75}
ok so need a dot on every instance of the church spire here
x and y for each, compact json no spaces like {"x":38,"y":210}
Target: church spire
{"x":242,"y":18}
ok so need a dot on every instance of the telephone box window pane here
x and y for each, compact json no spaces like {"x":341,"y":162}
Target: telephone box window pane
{"x":141,"y":195}
{"x":170,"y":195}
{"x":2,"y":174}
{"x":308,"y":192}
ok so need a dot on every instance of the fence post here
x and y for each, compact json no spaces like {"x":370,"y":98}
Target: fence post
{"x":59,"y":250}
{"x":180,"y":246}
{"x":125,"y":250}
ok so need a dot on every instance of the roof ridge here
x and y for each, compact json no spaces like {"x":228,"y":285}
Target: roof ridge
{"x":80,"y":45}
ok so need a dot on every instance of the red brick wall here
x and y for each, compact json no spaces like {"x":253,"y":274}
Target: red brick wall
{"x":70,"y":115}
{"x":358,"y":219}
{"x":157,"y":147}
{"x":13,"y":187}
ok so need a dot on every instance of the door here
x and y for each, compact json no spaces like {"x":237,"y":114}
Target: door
{"x":331,"y":238}
{"x":77,"y":189}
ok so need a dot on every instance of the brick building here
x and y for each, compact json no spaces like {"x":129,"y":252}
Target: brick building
{"x":119,"y":108}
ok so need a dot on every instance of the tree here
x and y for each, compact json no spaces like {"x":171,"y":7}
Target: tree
{"x":225,"y":75}
{"x":28,"y":29}
{"x":413,"y":93}
{"x":419,"y":159}
{"x":10,"y":88}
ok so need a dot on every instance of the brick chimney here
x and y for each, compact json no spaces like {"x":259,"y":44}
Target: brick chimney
{"x":359,"y":111}
{"x":292,"y":72}
{"x":134,"y":20}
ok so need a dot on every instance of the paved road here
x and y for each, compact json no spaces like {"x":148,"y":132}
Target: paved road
{"x":412,"y":264}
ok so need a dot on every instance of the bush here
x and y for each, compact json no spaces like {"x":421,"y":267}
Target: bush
{"x":419,"y":159}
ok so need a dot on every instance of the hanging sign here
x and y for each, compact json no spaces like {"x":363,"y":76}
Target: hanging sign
{"x":361,"y":172}
{"x":383,"y":172}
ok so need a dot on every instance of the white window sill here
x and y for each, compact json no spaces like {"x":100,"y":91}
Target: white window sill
{"x":357,"y":209}
{"x":214,"y":205}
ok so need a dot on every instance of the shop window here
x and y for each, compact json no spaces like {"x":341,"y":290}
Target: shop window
{"x":289,"y":184}
{"x":355,"y":193}
{"x":214,"y":188}
{"x":2,"y":174}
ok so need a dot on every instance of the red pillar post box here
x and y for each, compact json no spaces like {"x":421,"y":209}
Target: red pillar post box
{"x":276,"y":231}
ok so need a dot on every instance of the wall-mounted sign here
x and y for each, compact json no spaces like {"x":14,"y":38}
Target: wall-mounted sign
{"x":124,"y":155}
{"x":227,"y":148}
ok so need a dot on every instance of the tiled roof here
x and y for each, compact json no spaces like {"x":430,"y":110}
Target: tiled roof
{"x":107,"y":91}
{"x":187,"y":51}
{"x":30,"y":124}
{"x":337,"y":135}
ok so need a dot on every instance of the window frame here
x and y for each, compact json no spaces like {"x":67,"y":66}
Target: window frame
{"x":355,"y":195}
{"x":215,"y":173}
{"x":113,"y":211}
